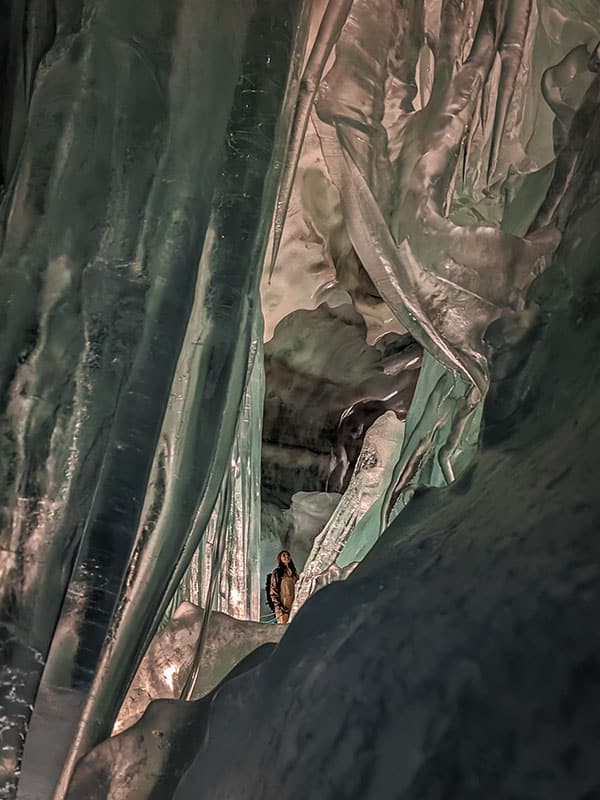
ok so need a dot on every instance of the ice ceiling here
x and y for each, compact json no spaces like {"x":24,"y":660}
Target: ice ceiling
{"x":319,"y":275}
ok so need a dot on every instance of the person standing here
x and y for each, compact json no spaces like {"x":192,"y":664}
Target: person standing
{"x":283,"y":586}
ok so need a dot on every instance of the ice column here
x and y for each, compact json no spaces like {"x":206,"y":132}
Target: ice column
{"x":238,"y":590}
{"x":239,"y":585}
{"x":149,"y":125}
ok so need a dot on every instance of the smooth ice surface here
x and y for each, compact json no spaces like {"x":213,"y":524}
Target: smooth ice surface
{"x":134,"y":227}
{"x":168,"y":661}
{"x":162,"y":674}
{"x":442,"y":224}
{"x":310,"y":512}
{"x":460,"y":659}
{"x":148,"y":759}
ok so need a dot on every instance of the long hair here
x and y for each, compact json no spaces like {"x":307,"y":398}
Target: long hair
{"x":281,"y":565}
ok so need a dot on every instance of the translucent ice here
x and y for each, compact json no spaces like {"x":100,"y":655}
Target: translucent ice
{"x":229,"y":552}
{"x":167,"y":663}
{"x":448,"y":188}
{"x":134,"y":227}
{"x":369,"y":484}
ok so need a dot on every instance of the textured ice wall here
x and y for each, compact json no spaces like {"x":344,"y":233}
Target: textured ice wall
{"x":477,"y":74}
{"x":325,"y":386}
{"x":440,"y":128}
{"x":460,"y":659}
{"x":365,"y":494}
{"x":140,"y":127}
{"x":148,"y":759}
{"x":169,"y":659}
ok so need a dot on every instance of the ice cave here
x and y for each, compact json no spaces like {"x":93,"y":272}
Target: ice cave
{"x":311,"y":277}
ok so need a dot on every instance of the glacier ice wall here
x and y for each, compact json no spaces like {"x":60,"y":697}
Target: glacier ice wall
{"x":226,"y":563}
{"x":369,"y":485}
{"x":431,"y":126}
{"x":169,"y":659}
{"x":142,"y":129}
{"x":450,"y":149}
{"x":460,"y":659}
{"x":148,"y":759}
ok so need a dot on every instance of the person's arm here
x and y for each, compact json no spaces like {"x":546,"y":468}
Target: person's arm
{"x":275,"y":592}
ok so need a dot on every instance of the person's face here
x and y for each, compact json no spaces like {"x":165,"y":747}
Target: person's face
{"x":285,"y":559}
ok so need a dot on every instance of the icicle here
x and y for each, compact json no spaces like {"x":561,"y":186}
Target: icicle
{"x":511,"y":54}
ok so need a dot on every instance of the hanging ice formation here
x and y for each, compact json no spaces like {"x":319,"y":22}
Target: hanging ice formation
{"x":233,"y":552}
{"x":429,"y":161}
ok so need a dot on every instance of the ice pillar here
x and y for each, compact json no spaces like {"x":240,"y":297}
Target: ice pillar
{"x":146,"y":124}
